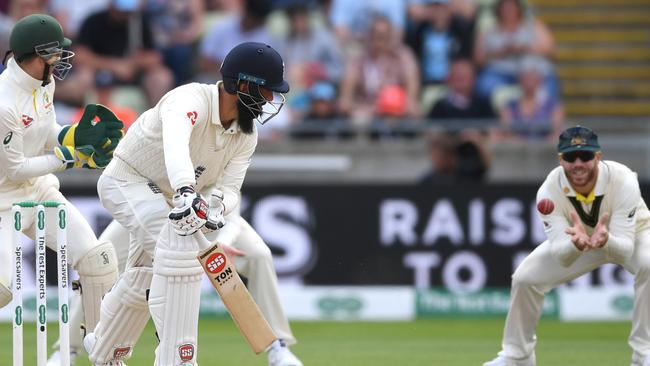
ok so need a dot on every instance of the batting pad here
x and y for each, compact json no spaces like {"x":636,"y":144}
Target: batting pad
{"x":124,"y":313}
{"x":97,"y":274}
{"x":6,"y":296}
{"x":174,"y":301}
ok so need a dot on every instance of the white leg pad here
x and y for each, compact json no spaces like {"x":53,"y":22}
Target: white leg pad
{"x":124,"y":314}
{"x":5,"y":296}
{"x":174,"y":300}
{"x":97,"y":274}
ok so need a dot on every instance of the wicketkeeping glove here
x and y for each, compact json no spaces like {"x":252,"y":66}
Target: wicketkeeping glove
{"x":102,"y":136}
{"x":190,"y":211}
{"x":71,"y":158}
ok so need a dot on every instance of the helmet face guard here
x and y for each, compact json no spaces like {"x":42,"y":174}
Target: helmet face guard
{"x":56,"y":57}
{"x":256,"y":102}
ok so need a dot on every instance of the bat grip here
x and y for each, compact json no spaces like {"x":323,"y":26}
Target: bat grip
{"x":201,"y":240}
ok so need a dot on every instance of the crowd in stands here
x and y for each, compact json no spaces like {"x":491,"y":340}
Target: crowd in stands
{"x":394,"y":68}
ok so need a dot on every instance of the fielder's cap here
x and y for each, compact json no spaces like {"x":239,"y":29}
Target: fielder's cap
{"x":578,"y":138}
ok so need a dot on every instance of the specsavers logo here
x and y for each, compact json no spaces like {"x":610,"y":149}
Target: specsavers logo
{"x":7,"y":138}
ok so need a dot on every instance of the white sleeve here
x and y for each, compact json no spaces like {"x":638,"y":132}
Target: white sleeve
{"x":12,"y":160}
{"x":555,"y":225}
{"x":622,"y":220}
{"x":176,"y":132}
{"x":235,"y":171}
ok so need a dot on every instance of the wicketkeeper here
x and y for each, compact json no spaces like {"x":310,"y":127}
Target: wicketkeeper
{"x":34,"y":146}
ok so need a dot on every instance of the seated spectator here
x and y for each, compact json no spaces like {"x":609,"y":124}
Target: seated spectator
{"x":465,"y":9}
{"x":439,"y":38}
{"x":384,"y":61}
{"x":176,"y":26}
{"x":310,"y":53}
{"x":457,"y":158}
{"x":109,"y":53}
{"x":460,"y":101}
{"x":248,"y":26}
{"x":321,"y":118}
{"x":71,"y":13}
{"x":536,"y":114}
{"x":352,"y":19}
{"x":502,"y":48}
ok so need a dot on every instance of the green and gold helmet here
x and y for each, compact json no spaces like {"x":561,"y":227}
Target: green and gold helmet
{"x":41,"y":35}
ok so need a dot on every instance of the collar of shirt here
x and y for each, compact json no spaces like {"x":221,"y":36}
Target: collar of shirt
{"x":21,"y":78}
{"x":599,"y":189}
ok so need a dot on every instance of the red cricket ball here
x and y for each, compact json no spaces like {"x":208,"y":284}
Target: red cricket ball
{"x":545,"y":206}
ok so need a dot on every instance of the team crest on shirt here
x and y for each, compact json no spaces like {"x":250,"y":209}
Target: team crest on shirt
{"x":192,"y":116}
{"x":47,"y":104}
{"x":27,"y":120}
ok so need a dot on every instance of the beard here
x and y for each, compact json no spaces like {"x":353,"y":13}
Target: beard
{"x":581,"y":177}
{"x":245,"y":115}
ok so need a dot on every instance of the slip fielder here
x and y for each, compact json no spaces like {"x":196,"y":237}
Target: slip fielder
{"x":595,"y":216}
{"x":196,"y":138}
{"x":33,"y":146}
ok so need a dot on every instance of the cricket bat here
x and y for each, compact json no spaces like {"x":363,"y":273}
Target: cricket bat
{"x":243,"y":310}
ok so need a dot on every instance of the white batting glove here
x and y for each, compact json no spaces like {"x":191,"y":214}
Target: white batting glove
{"x":190,"y":211}
{"x":215,"y":220}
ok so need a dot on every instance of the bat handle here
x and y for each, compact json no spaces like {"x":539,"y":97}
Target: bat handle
{"x":201,"y":240}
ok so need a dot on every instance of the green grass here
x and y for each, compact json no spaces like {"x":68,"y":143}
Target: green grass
{"x":438,"y":342}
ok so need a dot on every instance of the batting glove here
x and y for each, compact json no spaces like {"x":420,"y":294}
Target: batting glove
{"x":190,"y":212}
{"x":215,"y":213}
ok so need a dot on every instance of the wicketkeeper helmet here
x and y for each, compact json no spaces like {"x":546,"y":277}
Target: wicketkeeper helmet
{"x":41,"y":35}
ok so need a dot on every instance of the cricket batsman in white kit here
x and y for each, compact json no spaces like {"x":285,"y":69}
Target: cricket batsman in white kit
{"x":593,"y":214}
{"x":198,"y":137}
{"x":34,"y":146}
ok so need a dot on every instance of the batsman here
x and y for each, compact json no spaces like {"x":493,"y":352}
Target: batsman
{"x":593,"y":214}
{"x":34,"y":146}
{"x":196,"y":138}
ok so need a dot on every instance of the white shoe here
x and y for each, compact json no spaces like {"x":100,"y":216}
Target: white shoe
{"x":55,"y":358}
{"x":89,"y":343}
{"x":505,"y":361}
{"x":280,"y":355}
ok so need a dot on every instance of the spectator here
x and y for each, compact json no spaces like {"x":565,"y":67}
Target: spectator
{"x":465,"y":9}
{"x":115,"y":47}
{"x":310,"y":54}
{"x":459,"y":158}
{"x":536,"y":114}
{"x":71,"y":13}
{"x":248,"y":26}
{"x":460,"y":101}
{"x":384,"y":61}
{"x":440,"y":38}
{"x":501,"y":49}
{"x":352,"y":19}
{"x":176,"y":25}
{"x":322,"y":118}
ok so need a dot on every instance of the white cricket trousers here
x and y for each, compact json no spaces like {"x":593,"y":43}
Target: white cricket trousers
{"x":540,"y":272}
{"x":81,"y":238}
{"x":256,"y":266}
{"x":143,"y":212}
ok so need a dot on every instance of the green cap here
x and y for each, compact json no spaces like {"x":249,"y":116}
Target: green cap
{"x":578,"y":139}
{"x":36,"y":30}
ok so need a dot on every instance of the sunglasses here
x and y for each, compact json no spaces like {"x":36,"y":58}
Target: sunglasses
{"x":584,"y":156}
